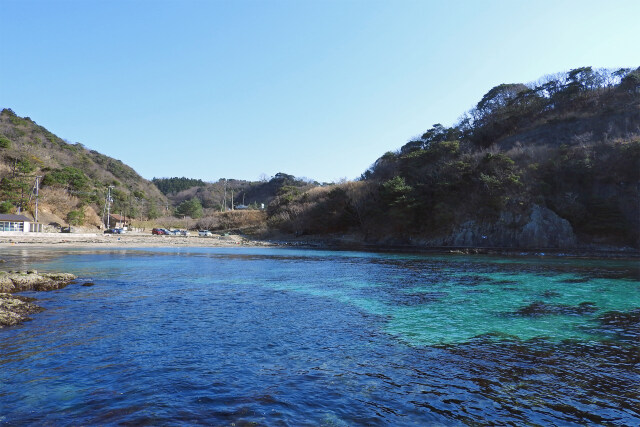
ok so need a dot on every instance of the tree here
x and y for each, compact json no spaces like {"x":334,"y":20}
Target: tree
{"x":4,"y":142}
{"x":68,"y":176}
{"x":176,"y":185}
{"x":24,"y":166}
{"x":396,"y":192}
{"x":152,"y":211}
{"x":191,"y":208}
{"x":580,"y":79}
{"x":76,"y":217}
{"x":6,"y":207}
{"x":498,"y":98}
{"x":631,"y":81}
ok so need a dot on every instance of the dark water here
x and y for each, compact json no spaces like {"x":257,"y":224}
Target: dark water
{"x":293,"y":337}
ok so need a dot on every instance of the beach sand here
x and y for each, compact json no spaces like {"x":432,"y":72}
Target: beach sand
{"x":132,"y":240}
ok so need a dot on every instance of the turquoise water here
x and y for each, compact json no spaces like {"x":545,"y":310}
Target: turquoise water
{"x":294,"y":337}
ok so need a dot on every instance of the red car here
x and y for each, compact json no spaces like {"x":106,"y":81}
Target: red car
{"x":159,"y":231}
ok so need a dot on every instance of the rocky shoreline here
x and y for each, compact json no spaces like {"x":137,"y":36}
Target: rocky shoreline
{"x":349,"y":242}
{"x":15,"y":309}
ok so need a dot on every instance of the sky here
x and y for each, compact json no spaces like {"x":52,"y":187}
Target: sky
{"x":317,"y":89}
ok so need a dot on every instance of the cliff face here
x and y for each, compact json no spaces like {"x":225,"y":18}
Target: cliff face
{"x":538,"y":228}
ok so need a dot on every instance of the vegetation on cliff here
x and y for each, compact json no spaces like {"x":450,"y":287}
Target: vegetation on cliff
{"x":568,"y":144}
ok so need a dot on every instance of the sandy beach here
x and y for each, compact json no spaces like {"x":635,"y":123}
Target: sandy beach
{"x":124,"y":240}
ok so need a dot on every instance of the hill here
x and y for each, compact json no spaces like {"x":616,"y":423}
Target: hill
{"x":549,"y":164}
{"x":74,"y":179}
{"x":215,"y":195}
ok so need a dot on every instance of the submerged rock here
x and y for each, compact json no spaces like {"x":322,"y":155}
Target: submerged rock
{"x":540,"y":308}
{"x":621,"y":323}
{"x":550,"y":294}
{"x":419,"y":298}
{"x":14,"y":309}
{"x":33,"y":281}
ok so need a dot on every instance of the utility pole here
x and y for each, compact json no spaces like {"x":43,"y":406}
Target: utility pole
{"x":104,"y":212}
{"x":224,"y":201}
{"x":129,"y":210}
{"x":37,"y":193}
{"x":109,"y":206}
{"x":142,"y":210}
{"x":231,"y":199}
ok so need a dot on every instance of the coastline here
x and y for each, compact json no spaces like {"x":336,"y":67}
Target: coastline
{"x":126,"y":240}
{"x":342,"y":243}
{"x":349,"y":243}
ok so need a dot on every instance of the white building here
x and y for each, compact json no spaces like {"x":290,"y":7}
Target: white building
{"x":19,"y":223}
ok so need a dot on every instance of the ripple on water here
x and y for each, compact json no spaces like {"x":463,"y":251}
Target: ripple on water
{"x":221,"y":336}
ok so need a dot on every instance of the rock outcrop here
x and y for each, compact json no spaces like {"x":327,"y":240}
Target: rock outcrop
{"x":536,"y":228}
{"x":15,"y":309}
{"x":33,"y":281}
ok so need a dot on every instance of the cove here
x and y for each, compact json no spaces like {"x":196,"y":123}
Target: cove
{"x":292,"y":337}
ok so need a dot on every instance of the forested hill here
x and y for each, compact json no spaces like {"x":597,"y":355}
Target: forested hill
{"x":215,"y":195}
{"x":176,"y":185}
{"x":74,"y":178}
{"x":554,"y":163}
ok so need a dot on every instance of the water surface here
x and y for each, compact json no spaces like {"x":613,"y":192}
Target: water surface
{"x":299,"y":337}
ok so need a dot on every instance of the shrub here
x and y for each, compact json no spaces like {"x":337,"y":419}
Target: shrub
{"x":6,"y":207}
{"x":75,"y":217}
{"x":25,"y":166}
{"x":4,"y":142}
{"x":232,"y":220}
{"x":74,"y":178}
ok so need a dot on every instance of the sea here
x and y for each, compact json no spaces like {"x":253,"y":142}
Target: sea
{"x":297,"y":337}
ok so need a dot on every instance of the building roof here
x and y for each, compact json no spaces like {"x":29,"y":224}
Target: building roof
{"x":12,"y":217}
{"x":117,"y":217}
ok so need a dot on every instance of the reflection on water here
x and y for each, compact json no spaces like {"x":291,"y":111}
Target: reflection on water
{"x":275,"y":336}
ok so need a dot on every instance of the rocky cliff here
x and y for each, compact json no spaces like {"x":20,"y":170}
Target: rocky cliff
{"x":537,"y":228}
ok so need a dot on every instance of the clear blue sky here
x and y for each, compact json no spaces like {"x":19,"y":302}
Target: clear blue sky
{"x":321,"y":89}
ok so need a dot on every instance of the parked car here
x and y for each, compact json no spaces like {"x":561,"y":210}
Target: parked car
{"x":67,"y":230}
{"x":184,"y":232}
{"x":160,"y":231}
{"x":205,"y":233}
{"x":120,"y":230}
{"x":110,"y":231}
